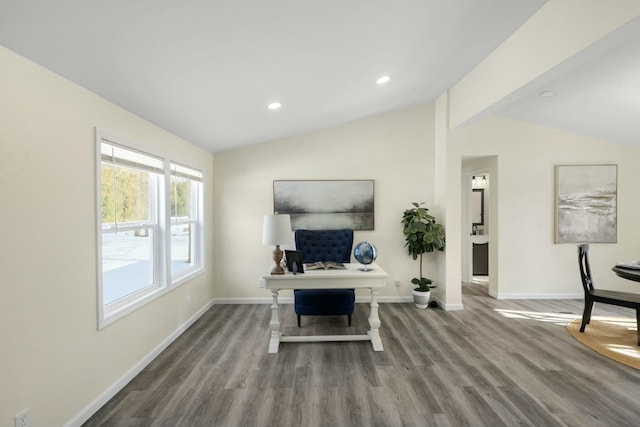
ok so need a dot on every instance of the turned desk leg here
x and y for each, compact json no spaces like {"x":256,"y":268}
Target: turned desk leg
{"x":374,"y":323}
{"x":274,"y":324}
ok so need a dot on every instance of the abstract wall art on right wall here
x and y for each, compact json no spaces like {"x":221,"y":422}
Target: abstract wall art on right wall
{"x":586,"y":203}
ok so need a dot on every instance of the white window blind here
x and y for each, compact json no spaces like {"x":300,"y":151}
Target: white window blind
{"x":128,"y":157}
{"x":181,"y":171}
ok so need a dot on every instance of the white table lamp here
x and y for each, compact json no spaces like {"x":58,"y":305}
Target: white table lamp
{"x":276,"y":230}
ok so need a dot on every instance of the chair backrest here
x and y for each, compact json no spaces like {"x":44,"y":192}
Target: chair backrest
{"x":585,"y":270}
{"x":324,"y":245}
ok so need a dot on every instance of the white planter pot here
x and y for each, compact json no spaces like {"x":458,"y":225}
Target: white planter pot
{"x":421,"y":299}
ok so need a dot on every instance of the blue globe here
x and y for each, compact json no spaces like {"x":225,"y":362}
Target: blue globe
{"x":365,"y":253}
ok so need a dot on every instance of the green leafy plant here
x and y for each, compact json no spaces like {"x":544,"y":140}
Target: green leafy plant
{"x":423,"y":235}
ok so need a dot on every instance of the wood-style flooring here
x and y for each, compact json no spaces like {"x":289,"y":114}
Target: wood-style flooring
{"x":496,"y":363}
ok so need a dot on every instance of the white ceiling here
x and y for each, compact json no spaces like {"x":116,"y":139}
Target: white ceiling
{"x":597,"y":93}
{"x":205,"y":70}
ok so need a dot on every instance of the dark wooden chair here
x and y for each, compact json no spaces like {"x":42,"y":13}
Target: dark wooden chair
{"x":592,"y":295}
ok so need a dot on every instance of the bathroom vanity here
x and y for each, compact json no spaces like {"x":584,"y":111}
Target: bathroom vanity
{"x":480,"y":255}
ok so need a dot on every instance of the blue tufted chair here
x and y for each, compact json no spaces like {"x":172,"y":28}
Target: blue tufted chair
{"x":324,"y":245}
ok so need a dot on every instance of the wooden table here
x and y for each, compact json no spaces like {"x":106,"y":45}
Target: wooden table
{"x":627,"y":273}
{"x":350,"y":278}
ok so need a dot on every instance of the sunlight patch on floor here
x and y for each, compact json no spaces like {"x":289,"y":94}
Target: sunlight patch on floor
{"x":627,"y":350}
{"x":625,"y":322}
{"x":556,"y":318}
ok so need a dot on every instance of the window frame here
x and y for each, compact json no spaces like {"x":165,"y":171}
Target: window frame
{"x":159,"y":222}
{"x":195,"y":221}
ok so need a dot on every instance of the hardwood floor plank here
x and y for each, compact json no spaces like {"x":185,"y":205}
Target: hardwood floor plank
{"x":492,"y":396}
{"x":302,"y":392}
{"x":363,"y":365}
{"x":532,"y":410}
{"x":410,"y":406}
{"x":383,"y":411}
{"x":485,"y":415}
{"x":498,"y":362}
{"x":609,"y":410}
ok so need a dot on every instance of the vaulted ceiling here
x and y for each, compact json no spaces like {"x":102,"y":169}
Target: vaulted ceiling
{"x":206,"y":70}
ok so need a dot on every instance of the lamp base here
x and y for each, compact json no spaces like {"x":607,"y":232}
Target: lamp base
{"x":277,"y":270}
{"x":277,"y":257}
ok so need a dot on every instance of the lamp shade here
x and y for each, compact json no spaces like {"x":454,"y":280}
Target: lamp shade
{"x":276,"y":230}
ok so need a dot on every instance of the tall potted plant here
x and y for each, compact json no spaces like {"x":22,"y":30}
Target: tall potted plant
{"x":423,"y":235}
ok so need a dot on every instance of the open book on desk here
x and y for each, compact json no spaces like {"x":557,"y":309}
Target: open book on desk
{"x":329,"y":265}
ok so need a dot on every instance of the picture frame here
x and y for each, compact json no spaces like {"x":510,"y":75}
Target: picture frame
{"x":586,"y":203}
{"x":326,"y":204}
{"x":291,"y":257}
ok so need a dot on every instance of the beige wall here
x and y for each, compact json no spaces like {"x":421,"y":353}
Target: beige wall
{"x":56,"y":362}
{"x":529,"y":263}
{"x":394,"y":149}
{"x":49,"y":341}
{"x":53,"y":358}
{"x":522,"y":160}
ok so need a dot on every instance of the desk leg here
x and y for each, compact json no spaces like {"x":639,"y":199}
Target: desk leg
{"x":374,"y":323}
{"x":274,"y":343}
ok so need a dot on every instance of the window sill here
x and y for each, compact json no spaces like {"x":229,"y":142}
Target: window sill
{"x":107,"y":316}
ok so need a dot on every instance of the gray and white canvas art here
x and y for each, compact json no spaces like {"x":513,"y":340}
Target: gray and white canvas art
{"x":586,"y":203}
{"x":318,"y":205}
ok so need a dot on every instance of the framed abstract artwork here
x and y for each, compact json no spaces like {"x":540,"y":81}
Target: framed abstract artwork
{"x":586,"y":203}
{"x":318,"y":205}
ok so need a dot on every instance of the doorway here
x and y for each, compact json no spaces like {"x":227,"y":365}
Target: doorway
{"x":478,"y":266}
{"x":480,"y":227}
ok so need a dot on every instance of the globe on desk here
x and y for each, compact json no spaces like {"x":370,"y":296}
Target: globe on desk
{"x":365,"y":253}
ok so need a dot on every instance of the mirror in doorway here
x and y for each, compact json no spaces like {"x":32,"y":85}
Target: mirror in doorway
{"x":477,"y":206}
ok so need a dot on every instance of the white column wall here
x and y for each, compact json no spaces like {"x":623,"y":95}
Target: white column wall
{"x":447,"y":175}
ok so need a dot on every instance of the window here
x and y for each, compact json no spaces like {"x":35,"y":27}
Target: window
{"x":184,"y":195}
{"x":150,"y":239}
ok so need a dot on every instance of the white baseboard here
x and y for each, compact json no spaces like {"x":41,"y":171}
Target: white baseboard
{"x":449,"y":307}
{"x":104,"y":397}
{"x":265,"y":300}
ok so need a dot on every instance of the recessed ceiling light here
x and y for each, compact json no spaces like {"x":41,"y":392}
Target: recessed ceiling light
{"x":382,"y":80}
{"x":547,"y":94}
{"x":274,"y":105}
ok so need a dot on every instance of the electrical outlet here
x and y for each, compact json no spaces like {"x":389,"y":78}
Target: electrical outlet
{"x":397,"y":282}
{"x":22,"y":418}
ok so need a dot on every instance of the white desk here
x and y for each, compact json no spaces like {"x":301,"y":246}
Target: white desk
{"x":351,"y":278}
